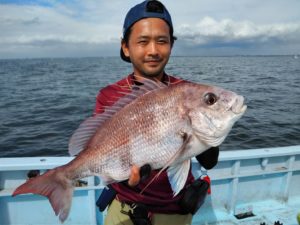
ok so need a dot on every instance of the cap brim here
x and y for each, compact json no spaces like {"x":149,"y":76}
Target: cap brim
{"x":125,"y":58}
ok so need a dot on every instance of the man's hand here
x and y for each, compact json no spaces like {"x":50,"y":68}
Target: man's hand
{"x":138,"y":174}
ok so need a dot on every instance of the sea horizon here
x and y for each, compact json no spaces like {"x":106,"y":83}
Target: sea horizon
{"x":43,"y":100}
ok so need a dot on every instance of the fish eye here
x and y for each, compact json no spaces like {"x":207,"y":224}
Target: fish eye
{"x":210,"y":98}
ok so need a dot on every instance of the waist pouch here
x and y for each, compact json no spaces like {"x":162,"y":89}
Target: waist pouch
{"x":194,"y":196}
{"x":107,"y":196}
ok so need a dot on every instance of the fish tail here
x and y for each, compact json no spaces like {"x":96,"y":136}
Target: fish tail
{"x":55,"y":186}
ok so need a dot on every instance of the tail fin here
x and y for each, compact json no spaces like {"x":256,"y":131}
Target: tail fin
{"x":55,"y":186}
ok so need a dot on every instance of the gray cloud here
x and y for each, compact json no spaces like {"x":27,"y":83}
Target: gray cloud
{"x":208,"y":31}
{"x":234,"y":36}
{"x":30,"y":25}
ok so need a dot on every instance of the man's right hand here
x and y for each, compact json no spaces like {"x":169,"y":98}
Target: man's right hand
{"x":138,"y":174}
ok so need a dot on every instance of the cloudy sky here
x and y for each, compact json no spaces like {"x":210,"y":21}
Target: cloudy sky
{"x":75,"y":28}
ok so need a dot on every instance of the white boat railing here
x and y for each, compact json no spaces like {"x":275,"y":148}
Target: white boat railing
{"x":245,"y":183}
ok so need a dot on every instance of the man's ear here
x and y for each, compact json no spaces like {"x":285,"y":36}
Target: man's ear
{"x":125,"y":48}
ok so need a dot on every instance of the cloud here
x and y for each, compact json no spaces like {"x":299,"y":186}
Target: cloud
{"x":226,"y":31}
{"x":41,"y":28}
{"x":40,"y":24}
{"x":39,"y":31}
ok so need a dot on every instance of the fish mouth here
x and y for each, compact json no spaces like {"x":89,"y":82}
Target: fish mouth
{"x":238,"y":107}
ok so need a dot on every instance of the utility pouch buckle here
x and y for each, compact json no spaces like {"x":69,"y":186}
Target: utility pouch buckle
{"x":138,"y":214}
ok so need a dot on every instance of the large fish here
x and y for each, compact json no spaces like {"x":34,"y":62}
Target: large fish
{"x":164,"y":126}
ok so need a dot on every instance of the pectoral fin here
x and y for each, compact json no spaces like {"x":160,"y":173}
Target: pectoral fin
{"x":178,"y":175}
{"x":186,"y":139}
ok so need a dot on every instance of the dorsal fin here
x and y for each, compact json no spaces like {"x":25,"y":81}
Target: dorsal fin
{"x":80,"y":138}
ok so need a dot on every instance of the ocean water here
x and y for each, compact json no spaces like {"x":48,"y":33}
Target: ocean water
{"x":42,"y":101}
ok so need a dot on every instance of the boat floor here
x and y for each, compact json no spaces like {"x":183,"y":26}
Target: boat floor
{"x":264,"y":213}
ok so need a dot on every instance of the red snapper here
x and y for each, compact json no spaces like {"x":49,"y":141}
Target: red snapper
{"x":164,"y":126}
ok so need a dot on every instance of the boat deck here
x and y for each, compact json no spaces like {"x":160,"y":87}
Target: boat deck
{"x":249,"y":187}
{"x":267,"y":212}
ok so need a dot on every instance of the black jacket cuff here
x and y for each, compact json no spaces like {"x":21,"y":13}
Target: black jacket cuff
{"x":209,"y":158}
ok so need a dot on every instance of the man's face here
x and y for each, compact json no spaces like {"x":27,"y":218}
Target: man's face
{"x":149,"y":47}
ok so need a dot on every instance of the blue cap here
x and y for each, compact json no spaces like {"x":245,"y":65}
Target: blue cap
{"x":146,"y":9}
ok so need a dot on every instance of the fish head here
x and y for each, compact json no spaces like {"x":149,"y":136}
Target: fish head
{"x":212,"y":112}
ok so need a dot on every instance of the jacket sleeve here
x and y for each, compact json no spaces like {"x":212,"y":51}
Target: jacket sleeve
{"x":101,"y":102}
{"x":209,"y":158}
{"x":108,"y":96}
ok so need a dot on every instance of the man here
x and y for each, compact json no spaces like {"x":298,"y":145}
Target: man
{"x":147,"y":43}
